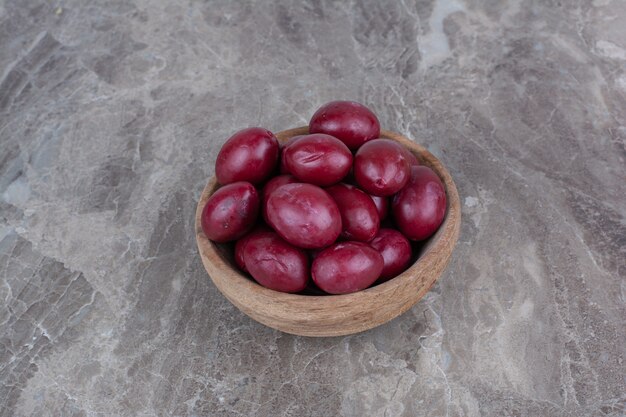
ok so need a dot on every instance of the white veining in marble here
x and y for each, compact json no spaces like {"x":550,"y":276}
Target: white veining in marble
{"x":111,"y":115}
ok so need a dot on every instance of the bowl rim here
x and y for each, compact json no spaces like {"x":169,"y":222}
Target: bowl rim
{"x":450,"y":228}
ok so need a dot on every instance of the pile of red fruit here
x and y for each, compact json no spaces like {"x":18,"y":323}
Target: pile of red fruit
{"x":321,"y":217}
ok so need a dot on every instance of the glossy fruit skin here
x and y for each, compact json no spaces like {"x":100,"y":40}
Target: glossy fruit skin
{"x":349,"y":121}
{"x":271,"y":186}
{"x":282,"y":168}
{"x":318,"y":159}
{"x":276,"y":264}
{"x":347,"y":267}
{"x":241,"y":243}
{"x":230,"y":212}
{"x":420,"y":207}
{"x":359,"y":216}
{"x":249,"y":155}
{"x":395,"y":250}
{"x":382,"y":206}
{"x":304,"y":215}
{"x":239,"y":246}
{"x":381,"y":167}
{"x":411,"y":158}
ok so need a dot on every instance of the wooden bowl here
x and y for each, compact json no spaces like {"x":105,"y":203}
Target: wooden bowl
{"x":336,"y":315}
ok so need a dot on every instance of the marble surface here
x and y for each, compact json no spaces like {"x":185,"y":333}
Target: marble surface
{"x":111,"y":114}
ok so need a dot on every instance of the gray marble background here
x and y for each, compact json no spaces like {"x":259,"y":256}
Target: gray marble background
{"x":111,"y":115}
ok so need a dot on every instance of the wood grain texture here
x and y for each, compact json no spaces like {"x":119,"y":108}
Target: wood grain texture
{"x":335,"y":315}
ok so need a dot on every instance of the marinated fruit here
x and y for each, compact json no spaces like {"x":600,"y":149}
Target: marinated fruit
{"x":349,"y":121}
{"x":359,"y":216}
{"x":419,"y":208}
{"x":274,"y":263}
{"x":241,"y":243}
{"x":304,"y":215}
{"x":396,"y":252}
{"x":381,"y":167}
{"x":377,"y":204}
{"x":271,"y":186}
{"x":410,"y":156}
{"x":249,"y":155}
{"x":347,"y":267}
{"x":382,"y":206}
{"x":318,"y":159}
{"x":282,"y":168}
{"x":230,"y":212}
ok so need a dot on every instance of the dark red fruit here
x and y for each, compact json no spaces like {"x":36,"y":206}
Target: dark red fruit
{"x":274,"y":263}
{"x":411,"y":158}
{"x":396,"y":252}
{"x":347,"y":267}
{"x":419,"y":208}
{"x":241,"y":243}
{"x":382,"y":206}
{"x":350,"y":122}
{"x":271,"y":186}
{"x":359,"y":216}
{"x":381,"y":167}
{"x":239,"y":246}
{"x":249,"y":155}
{"x":318,"y":159}
{"x":282,"y":167}
{"x":230,"y":212}
{"x":304,"y":215}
